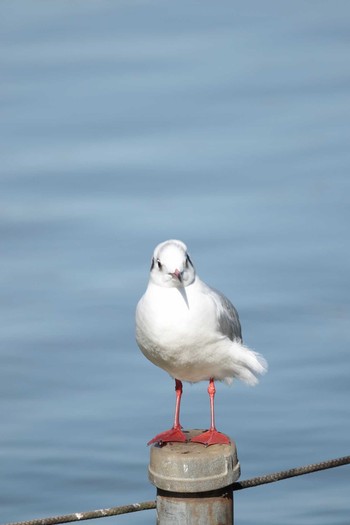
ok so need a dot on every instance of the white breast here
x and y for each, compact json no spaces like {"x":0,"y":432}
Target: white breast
{"x":176,"y":329}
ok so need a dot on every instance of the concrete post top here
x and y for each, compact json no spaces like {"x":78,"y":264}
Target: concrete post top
{"x":193,"y":467}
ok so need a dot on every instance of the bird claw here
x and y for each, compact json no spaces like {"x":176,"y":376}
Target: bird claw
{"x":174,"y":434}
{"x":211,"y":437}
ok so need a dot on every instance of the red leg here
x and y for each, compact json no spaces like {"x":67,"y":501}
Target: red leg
{"x":212,"y":436}
{"x":175,"y":433}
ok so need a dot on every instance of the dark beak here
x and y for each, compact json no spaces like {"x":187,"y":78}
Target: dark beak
{"x":178,"y":275}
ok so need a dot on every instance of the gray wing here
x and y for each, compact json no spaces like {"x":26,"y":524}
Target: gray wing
{"x":228,"y":319}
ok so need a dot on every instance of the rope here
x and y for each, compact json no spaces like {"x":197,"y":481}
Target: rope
{"x":90,"y":514}
{"x":146,"y":505}
{"x":291,"y":473}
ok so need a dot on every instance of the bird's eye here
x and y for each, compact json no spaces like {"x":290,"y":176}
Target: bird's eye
{"x":159,"y":264}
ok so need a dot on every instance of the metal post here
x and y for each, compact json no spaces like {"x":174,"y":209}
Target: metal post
{"x":194,"y":482}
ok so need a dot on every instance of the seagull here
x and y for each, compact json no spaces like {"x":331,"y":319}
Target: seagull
{"x":193,"y":332}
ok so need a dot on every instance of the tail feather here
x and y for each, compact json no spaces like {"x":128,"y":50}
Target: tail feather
{"x":247,"y":365}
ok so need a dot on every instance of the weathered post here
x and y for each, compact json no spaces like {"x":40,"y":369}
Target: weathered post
{"x":194,"y":482}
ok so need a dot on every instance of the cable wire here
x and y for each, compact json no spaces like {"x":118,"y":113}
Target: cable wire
{"x":146,"y":505}
{"x":291,"y":473}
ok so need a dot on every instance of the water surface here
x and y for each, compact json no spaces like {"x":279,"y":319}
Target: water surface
{"x":126,"y":124}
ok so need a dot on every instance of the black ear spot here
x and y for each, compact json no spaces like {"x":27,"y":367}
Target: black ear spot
{"x":188,"y":261}
{"x":152,"y":264}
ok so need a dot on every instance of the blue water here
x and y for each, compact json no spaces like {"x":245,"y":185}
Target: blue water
{"x":126,"y":123}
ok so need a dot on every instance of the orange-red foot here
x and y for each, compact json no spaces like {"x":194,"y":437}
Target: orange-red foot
{"x":174,"y":434}
{"x":212,"y":437}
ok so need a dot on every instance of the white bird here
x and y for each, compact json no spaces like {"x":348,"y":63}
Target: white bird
{"x":193,"y":332}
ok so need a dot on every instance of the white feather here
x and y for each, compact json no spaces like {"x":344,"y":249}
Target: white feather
{"x":189,"y":329}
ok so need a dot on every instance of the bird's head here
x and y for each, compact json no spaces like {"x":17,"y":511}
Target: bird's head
{"x":171,"y":265}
